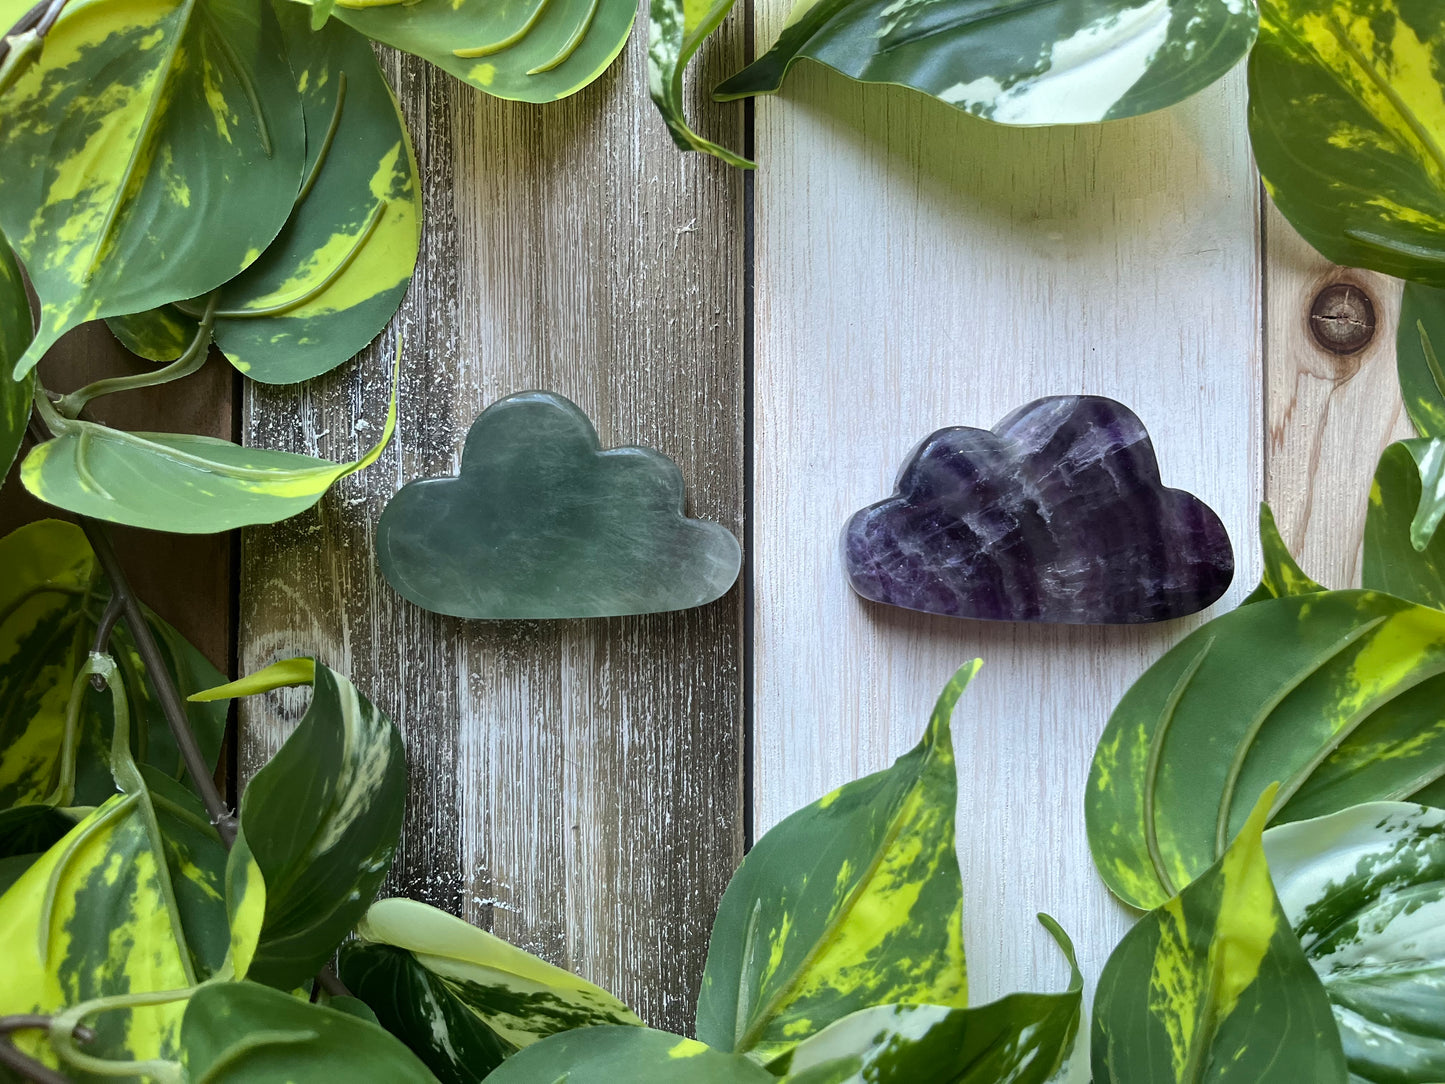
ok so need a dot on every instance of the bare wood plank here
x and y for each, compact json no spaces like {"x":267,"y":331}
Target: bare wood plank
{"x":576,"y":786}
{"x":918,"y":268}
{"x":1330,"y":416}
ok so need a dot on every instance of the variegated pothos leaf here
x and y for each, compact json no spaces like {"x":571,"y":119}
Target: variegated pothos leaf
{"x":1282,"y":576}
{"x":1023,"y":62}
{"x":1420,"y":357}
{"x":519,"y":997}
{"x":150,"y":153}
{"x":1392,"y":559}
{"x":850,"y":902}
{"x":676,"y":30}
{"x":1336,"y":694}
{"x":1364,"y":890}
{"x":1213,"y":986}
{"x":15,"y":333}
{"x":606,"y":1055}
{"x":1347,"y":118}
{"x":320,"y":822}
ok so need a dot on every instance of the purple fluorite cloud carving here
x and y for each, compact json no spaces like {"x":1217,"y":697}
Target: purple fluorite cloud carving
{"x":1056,"y":514}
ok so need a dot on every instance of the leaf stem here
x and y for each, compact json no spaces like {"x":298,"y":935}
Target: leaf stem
{"x":193,"y":358}
{"x":23,"y":1064}
{"x":63,"y":1034}
{"x":19,"y":46}
{"x":326,"y":142}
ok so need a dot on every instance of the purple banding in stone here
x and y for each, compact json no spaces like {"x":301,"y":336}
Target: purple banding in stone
{"x":1057,"y":514}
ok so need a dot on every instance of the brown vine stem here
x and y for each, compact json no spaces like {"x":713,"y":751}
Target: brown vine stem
{"x":26,"y":1066}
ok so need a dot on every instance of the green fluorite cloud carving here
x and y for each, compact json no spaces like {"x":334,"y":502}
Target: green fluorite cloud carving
{"x":542,"y":522}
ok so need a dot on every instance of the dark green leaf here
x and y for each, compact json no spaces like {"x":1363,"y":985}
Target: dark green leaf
{"x":321,"y":821}
{"x":1021,"y":1038}
{"x":676,"y":31}
{"x":1364,"y":890}
{"x":15,"y":325}
{"x":1392,"y":562}
{"x":1420,"y":358}
{"x":1281,"y":575}
{"x":1212,"y":986}
{"x":1347,"y":118}
{"x":1334,"y":693}
{"x":1023,"y":62}
{"x":248,"y":1034}
{"x":150,"y":153}
{"x":851,"y":902}
{"x":609,"y":1055}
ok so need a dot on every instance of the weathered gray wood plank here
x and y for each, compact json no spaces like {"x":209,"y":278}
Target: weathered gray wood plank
{"x":576,"y":786}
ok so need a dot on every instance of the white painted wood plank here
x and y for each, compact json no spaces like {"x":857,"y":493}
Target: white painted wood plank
{"x":916,"y":268}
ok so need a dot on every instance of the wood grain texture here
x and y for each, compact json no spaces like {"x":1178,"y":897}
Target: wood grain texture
{"x":1330,"y":417}
{"x":918,"y":268}
{"x":575,"y":786}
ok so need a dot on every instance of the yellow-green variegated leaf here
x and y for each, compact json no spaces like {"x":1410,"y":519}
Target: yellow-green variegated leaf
{"x":609,"y":1055}
{"x":1420,"y":357}
{"x":1347,"y":118}
{"x":1212,"y":986}
{"x":1282,"y":576}
{"x":1335,"y":694}
{"x":179,"y":483}
{"x":320,"y":822}
{"x":479,"y":996}
{"x":850,"y":902}
{"x":1393,"y":560}
{"x":1024,"y":62}
{"x":15,"y":331}
{"x":150,"y":153}
{"x":55,"y":732}
{"x":1364,"y":890}
{"x":526,"y":50}
{"x":676,"y":30}
{"x":1021,"y":1038}
{"x":338,"y":270}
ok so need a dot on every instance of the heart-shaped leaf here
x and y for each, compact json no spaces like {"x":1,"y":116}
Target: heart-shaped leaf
{"x":1213,"y":986}
{"x":338,"y":270}
{"x":1021,"y":1038}
{"x":1420,"y":357}
{"x":320,"y":822}
{"x":1392,"y":562}
{"x":526,"y":50}
{"x":605,"y":1055}
{"x":178,"y":483}
{"x":1321,"y":691}
{"x":1024,"y":62}
{"x":1364,"y":890}
{"x":850,"y":902}
{"x":242,"y":1033}
{"x":150,"y":153}
{"x":676,"y":31}
{"x":1347,"y":118}
{"x":462,"y":998}
{"x":15,"y":325}
{"x":55,"y":734}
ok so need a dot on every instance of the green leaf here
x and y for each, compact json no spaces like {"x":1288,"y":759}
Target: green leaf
{"x":1364,"y":890}
{"x":249,"y":1034}
{"x":15,"y":325}
{"x":526,"y":50}
{"x":1213,"y":986}
{"x":607,"y":1055}
{"x":850,"y":902}
{"x":1335,"y":693}
{"x":51,"y":598}
{"x":338,"y":270}
{"x":150,"y":153}
{"x":1023,"y":62}
{"x":1420,"y":348}
{"x":1347,"y":118}
{"x":676,"y":31}
{"x":182,"y":484}
{"x":1281,"y":575}
{"x":465,"y":977}
{"x":1392,"y":562}
{"x":1021,"y":1038}
{"x":320,"y":821}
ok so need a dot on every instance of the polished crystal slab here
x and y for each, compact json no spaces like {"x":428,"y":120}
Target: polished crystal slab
{"x":1057,"y":514}
{"x":542,"y":522}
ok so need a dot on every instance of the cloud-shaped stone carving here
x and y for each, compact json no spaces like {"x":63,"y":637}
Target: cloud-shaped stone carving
{"x":542,"y":522}
{"x":1056,"y":514}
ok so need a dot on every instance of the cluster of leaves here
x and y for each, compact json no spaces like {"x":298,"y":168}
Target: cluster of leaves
{"x":1328,"y":703}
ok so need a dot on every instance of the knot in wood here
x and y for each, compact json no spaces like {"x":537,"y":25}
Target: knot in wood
{"x":1342,"y":319}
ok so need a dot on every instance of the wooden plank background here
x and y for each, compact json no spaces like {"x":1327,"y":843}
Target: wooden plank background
{"x":584,"y":788}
